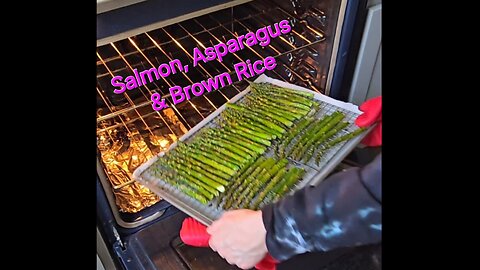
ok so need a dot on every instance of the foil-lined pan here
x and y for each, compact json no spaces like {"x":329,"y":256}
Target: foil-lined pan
{"x":128,"y":145}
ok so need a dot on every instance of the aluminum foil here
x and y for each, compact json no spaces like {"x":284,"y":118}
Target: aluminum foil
{"x":126,"y":147}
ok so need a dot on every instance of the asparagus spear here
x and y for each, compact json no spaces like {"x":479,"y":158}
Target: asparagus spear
{"x":259,"y":183}
{"x":206,"y":167}
{"x":317,"y":140}
{"x":346,"y":137}
{"x":336,"y":141}
{"x":205,"y":159}
{"x":213,"y":156}
{"x":179,"y":163}
{"x":241,"y":176}
{"x":325,"y":125}
{"x":199,"y":176}
{"x":245,"y":189}
{"x":291,"y":134}
{"x":269,"y":115}
{"x":251,"y":181}
{"x":248,"y":130}
{"x":234,"y":138}
{"x":253,"y":101}
{"x":265,"y":102}
{"x":236,"y":147}
{"x":315,"y":108}
{"x":226,"y":149}
{"x":230,"y":200}
{"x":277,"y":88}
{"x":269,"y":187}
{"x":229,"y":120}
{"x":290,"y":181}
{"x":247,"y":113}
{"x":252,"y":121}
{"x":224,"y":157}
{"x":192,"y":193}
{"x":189,"y":188}
{"x":271,"y":119}
{"x":307,"y":132}
{"x":192,"y":179}
{"x":290,"y":94}
{"x":286,"y":103}
{"x":240,"y":192}
{"x":286,"y":184}
{"x":250,"y":136}
{"x":168,"y":176}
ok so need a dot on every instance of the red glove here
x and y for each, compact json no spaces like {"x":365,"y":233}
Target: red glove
{"x":372,"y":113}
{"x":195,"y":234}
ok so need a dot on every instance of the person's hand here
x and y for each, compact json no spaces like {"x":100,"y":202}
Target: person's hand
{"x":372,"y":113}
{"x":239,"y":237}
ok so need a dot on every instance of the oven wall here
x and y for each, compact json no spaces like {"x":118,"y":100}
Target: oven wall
{"x":142,"y":17}
{"x":367,"y":79}
{"x":108,"y":5}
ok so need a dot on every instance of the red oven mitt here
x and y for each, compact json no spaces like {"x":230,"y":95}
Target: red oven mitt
{"x":193,"y":233}
{"x":372,"y":113}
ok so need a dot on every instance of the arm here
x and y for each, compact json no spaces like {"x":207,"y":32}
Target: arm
{"x":344,"y":210}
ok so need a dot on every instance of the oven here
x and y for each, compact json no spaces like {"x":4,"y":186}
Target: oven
{"x":329,"y":50}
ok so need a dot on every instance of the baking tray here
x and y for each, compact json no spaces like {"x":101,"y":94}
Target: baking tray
{"x":314,"y":174}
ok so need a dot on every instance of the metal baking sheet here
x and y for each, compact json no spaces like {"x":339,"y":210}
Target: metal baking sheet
{"x":314,"y":173}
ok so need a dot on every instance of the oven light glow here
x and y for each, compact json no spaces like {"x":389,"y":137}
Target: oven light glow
{"x":164,"y":143}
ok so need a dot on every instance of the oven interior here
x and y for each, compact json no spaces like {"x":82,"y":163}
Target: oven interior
{"x":129,"y":131}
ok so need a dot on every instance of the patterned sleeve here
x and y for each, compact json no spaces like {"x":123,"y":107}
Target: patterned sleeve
{"x":345,"y":210}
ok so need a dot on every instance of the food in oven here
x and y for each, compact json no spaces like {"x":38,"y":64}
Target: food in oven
{"x":302,"y":57}
{"x":123,"y":146}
